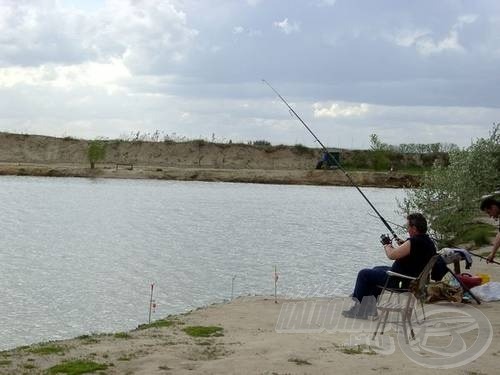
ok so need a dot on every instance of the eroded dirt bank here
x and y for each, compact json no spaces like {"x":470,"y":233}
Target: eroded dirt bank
{"x":196,"y":160}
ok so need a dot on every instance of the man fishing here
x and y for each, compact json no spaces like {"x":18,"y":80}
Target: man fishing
{"x":492,"y":207}
{"x":410,"y":258}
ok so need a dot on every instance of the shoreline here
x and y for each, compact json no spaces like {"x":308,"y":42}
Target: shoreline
{"x":262,"y":176}
{"x":241,"y":336}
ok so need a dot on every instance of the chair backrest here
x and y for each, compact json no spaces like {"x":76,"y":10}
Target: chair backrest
{"x":439,"y":270}
{"x":418,"y":286}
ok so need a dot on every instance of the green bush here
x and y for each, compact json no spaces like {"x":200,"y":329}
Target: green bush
{"x":449,"y":195}
{"x":261,"y":142}
{"x":381,"y":161}
{"x":95,"y":152}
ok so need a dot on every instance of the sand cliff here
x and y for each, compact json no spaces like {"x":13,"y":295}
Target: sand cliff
{"x":195,"y":160}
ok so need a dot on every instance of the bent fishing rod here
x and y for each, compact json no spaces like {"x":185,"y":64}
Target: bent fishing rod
{"x":335,"y":161}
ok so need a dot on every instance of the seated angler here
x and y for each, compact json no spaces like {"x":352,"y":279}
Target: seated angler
{"x":410,"y":258}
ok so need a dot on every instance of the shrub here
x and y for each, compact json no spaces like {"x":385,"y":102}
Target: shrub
{"x":261,"y":142}
{"x":96,"y":151}
{"x":449,"y":195}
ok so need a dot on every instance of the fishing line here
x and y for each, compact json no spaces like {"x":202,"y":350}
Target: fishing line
{"x":335,"y":161}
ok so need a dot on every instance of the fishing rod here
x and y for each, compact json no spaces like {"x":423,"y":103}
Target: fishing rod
{"x":486,"y":259}
{"x":390,"y":222}
{"x":435,"y":239}
{"x":335,"y":161}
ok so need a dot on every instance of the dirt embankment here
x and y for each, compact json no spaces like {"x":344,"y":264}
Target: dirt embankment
{"x":196,"y":160}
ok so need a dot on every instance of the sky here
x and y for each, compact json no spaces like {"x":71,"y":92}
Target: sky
{"x":408,"y":71}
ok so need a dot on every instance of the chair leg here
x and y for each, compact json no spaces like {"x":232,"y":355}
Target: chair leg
{"x":405,"y":330}
{"x":412,"y":333}
{"x":386,"y":316}
{"x":423,"y":310}
{"x":376,"y":329}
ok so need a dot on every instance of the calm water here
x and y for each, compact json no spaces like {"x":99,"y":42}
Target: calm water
{"x":78,"y":255}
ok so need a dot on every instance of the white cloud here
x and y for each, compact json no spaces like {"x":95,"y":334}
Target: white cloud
{"x":67,"y":76}
{"x":238,"y":30}
{"x":427,"y":46}
{"x":253,"y":2}
{"x":466,"y":19}
{"x":408,"y":38}
{"x":328,"y":2}
{"x":340,"y":110}
{"x":287,"y":27}
{"x":149,"y":35}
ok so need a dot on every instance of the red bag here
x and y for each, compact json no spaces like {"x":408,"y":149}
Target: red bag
{"x":468,"y":280}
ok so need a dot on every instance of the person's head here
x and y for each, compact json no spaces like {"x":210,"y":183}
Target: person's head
{"x":416,"y":224}
{"x":491,"y":206}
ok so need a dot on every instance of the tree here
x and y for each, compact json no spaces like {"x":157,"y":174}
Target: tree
{"x":95,"y":152}
{"x":449,"y":195}
{"x":376,"y":144}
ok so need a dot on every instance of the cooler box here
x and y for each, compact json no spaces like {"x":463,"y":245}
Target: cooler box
{"x":469,"y":281}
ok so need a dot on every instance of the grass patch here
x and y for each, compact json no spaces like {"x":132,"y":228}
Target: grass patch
{"x":201,"y":331}
{"x":29,"y":366}
{"x":77,"y":367}
{"x":478,"y":233}
{"x":47,"y":349}
{"x":5,"y":362}
{"x":126,"y":357}
{"x":122,"y":335}
{"x":299,"y":361}
{"x":358,"y":349}
{"x":157,"y":324}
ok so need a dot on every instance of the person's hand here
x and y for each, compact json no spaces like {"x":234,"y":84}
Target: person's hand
{"x":400,"y":241}
{"x":385,"y":239}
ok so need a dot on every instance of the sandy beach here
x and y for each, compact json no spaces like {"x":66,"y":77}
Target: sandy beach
{"x":247,"y":342}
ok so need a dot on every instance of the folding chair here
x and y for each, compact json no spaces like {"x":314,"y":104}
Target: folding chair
{"x":402,"y":300}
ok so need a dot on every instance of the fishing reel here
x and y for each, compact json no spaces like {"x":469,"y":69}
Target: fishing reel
{"x":385,"y":239}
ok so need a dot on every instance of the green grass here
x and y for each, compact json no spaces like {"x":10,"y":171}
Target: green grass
{"x":5,"y":362}
{"x":359,"y":349}
{"x":122,"y":335}
{"x":77,"y":367}
{"x":201,"y":331}
{"x":157,"y":324}
{"x":47,"y":349}
{"x":478,"y":233}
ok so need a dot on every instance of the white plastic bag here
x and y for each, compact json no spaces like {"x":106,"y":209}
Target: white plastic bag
{"x":487,"y":292}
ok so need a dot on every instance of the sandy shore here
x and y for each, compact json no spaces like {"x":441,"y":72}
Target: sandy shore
{"x":247,"y":344}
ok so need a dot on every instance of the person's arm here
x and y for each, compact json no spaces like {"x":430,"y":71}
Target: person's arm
{"x":496,"y":245}
{"x":398,"y":252}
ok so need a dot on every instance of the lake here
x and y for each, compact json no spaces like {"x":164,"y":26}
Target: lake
{"x":78,"y":255}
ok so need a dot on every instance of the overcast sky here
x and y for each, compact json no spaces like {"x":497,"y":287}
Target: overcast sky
{"x":410,"y":71}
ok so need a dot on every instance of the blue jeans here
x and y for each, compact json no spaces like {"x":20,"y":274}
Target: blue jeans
{"x":369,"y":282}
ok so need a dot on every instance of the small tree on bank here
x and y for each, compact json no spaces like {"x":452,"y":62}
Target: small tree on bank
{"x":95,"y":152}
{"x":449,"y":195}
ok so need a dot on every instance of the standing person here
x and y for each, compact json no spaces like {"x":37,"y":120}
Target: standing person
{"x":410,"y":258}
{"x":492,"y":207}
